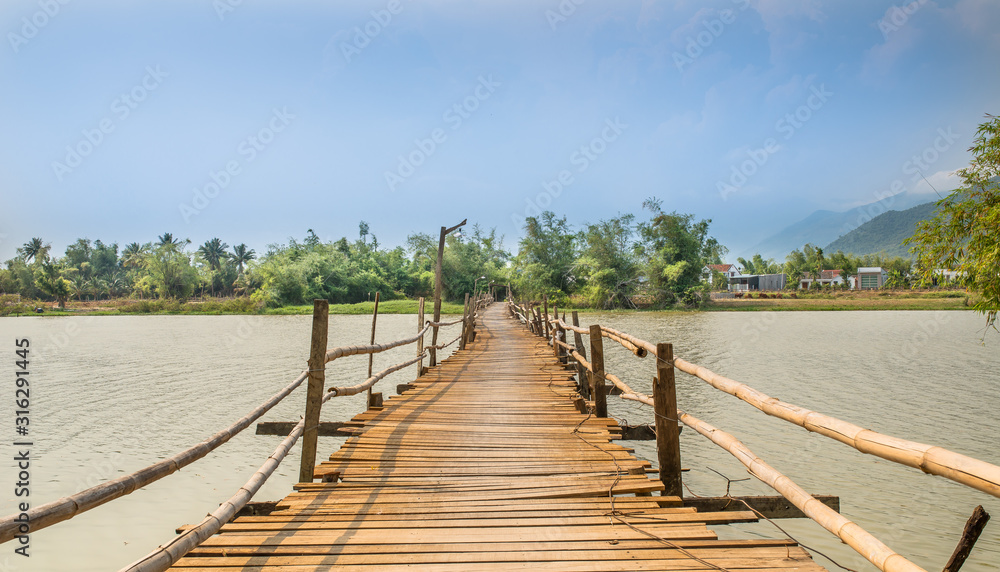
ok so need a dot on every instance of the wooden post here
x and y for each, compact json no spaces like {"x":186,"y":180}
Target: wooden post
{"x":545,"y":305}
{"x":668,"y":445}
{"x":314,"y":393}
{"x":581,"y":373}
{"x":420,"y":342}
{"x":556,"y":348}
{"x":465,"y":323}
{"x":973,"y":528}
{"x":597,"y":378}
{"x":371,"y":357}
{"x":437,"y":290}
{"x":539,"y":328}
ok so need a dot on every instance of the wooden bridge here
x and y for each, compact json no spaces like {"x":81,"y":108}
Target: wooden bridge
{"x":486,"y":464}
{"x":502,"y":457}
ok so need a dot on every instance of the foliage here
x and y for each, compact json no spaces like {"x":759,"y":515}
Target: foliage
{"x":608,"y":263}
{"x":964,"y":234}
{"x":886,"y":233}
{"x":675,"y":249}
{"x":546,"y":258}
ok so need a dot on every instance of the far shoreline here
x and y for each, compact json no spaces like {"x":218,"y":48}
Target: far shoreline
{"x":820,"y":301}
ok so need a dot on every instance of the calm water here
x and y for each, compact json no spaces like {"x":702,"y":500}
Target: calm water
{"x":113,"y":394}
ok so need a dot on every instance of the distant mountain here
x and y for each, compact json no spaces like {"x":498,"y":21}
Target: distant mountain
{"x":884,"y":233}
{"x":823,"y":227}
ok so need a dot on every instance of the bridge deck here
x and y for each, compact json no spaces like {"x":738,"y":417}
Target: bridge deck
{"x":487,"y":465}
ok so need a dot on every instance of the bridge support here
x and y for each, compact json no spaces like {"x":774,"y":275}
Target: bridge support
{"x":314,"y":393}
{"x":597,"y":389}
{"x":668,"y":444}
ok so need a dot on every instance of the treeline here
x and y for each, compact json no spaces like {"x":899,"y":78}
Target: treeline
{"x":605,"y":264}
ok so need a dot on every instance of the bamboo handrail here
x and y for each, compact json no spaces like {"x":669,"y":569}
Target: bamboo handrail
{"x":355,"y":389}
{"x":850,"y":533}
{"x":343,"y":351}
{"x":444,"y":324}
{"x":638,"y":350}
{"x":68,"y":507}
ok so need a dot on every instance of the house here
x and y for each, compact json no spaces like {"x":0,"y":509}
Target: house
{"x":871,"y":277}
{"x":729,"y":270}
{"x":826,"y":278}
{"x":744,"y":283}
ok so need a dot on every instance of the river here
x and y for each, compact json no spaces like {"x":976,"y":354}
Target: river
{"x":112,"y":394}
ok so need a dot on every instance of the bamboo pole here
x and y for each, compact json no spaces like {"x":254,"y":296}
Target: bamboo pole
{"x":668,"y":444}
{"x":420,"y":342}
{"x":597,"y":376}
{"x":437,"y":288}
{"x":314,"y":395}
{"x":371,"y":357}
{"x":853,"y":535}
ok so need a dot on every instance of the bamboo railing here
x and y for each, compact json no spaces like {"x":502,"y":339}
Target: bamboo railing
{"x":935,"y":460}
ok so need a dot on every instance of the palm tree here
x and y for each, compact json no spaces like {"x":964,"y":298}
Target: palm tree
{"x":133,"y":254}
{"x":167,"y":239}
{"x":34,"y":249}
{"x":242,"y":255}
{"x":214,"y":252}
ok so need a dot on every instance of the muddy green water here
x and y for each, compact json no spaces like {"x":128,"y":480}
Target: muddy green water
{"x":113,"y":394}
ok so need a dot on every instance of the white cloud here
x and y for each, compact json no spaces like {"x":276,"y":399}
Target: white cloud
{"x":942,"y":181}
{"x":783,"y":20}
{"x":790,"y":92}
{"x":980,"y":17}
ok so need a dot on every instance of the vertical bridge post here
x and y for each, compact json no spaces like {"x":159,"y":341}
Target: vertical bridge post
{"x":597,"y":377}
{"x":668,"y":446}
{"x":420,"y":342}
{"x":465,"y":323}
{"x":372,"y":399}
{"x":314,"y":393}
{"x":581,"y":373}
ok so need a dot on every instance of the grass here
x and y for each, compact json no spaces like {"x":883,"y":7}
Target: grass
{"x":208,"y":307}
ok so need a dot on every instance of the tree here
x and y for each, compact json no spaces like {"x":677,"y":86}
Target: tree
{"x":35,"y":250}
{"x":964,"y":233}
{"x":609,"y":263}
{"x":241,"y":256}
{"x":676,"y":249}
{"x":545,"y":258}
{"x":50,"y":280}
{"x":170,"y":271}
{"x":214,"y":253}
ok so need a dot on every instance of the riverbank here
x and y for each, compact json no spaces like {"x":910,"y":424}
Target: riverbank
{"x":804,"y":301}
{"x":213,"y":307}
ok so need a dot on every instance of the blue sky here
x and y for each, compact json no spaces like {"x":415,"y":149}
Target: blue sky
{"x":254,"y":121}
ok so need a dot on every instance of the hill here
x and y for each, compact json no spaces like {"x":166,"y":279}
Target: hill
{"x":884,"y":233}
{"x":823,"y":227}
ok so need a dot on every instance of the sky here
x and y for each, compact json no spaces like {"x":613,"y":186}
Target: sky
{"x":253,"y":121}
